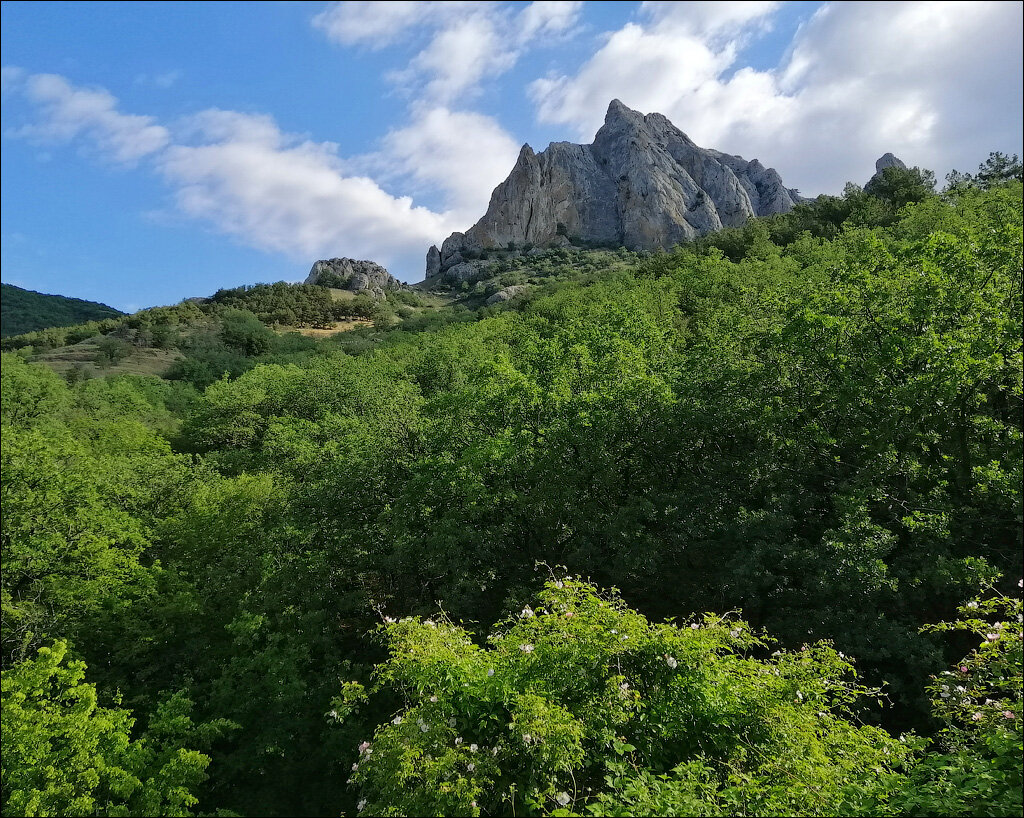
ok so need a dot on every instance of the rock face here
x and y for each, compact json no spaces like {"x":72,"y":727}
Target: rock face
{"x":350,"y":274}
{"x":507,"y":294}
{"x":886,"y":160}
{"x":642,"y":184}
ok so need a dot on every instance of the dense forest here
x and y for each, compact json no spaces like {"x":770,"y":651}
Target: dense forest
{"x":733,"y":529}
{"x":24,"y":311}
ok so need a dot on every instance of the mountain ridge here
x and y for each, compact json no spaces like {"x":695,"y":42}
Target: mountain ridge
{"x":642,"y":184}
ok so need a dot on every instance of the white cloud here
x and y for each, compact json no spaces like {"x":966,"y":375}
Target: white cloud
{"x":272,"y":190}
{"x":464,"y":154}
{"x":378,"y":24}
{"x":467,"y":42}
{"x":65,"y":112}
{"x":279,"y":193}
{"x":548,"y":18}
{"x":937,"y":83}
{"x":458,"y":58}
{"x":709,"y":16}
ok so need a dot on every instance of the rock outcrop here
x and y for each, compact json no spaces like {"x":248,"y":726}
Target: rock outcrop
{"x":886,"y":160}
{"x":507,"y":294}
{"x":642,"y":184}
{"x":352,"y":274}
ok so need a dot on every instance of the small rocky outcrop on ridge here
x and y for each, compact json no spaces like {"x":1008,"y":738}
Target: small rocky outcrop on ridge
{"x":886,"y":160}
{"x":352,"y":274}
{"x":642,"y":184}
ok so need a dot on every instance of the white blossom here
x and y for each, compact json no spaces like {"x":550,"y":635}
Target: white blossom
{"x":671,"y":662}
{"x":361,"y":805}
{"x":396,"y":720}
{"x":563,"y":798}
{"x":473,"y":748}
{"x":526,"y":648}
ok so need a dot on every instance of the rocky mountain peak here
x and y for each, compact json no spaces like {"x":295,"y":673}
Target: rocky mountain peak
{"x":642,"y":183}
{"x":888,"y":160}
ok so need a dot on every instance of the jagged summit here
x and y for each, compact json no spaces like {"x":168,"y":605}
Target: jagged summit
{"x":642,"y":183}
{"x":886,"y":160}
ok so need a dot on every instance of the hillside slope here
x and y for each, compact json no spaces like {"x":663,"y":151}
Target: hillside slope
{"x":28,"y":311}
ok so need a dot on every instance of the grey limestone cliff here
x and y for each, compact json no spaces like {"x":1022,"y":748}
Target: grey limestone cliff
{"x":886,"y":160}
{"x":642,"y":183}
{"x":353,"y":274}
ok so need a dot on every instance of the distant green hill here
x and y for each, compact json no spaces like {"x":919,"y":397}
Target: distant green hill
{"x":27,"y":311}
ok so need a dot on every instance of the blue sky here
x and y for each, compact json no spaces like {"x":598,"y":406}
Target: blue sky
{"x":155,"y":151}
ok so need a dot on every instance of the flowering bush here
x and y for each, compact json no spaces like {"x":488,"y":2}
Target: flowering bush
{"x":582,"y":706}
{"x":976,"y":768}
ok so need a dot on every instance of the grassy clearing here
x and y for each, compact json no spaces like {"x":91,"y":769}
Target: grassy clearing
{"x":83,"y":356}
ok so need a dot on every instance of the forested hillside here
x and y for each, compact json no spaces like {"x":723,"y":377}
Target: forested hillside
{"x":26,"y":311}
{"x":729,"y":530}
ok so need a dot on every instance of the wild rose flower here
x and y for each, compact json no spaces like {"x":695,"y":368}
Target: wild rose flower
{"x":526,"y":613}
{"x":1007,"y":714}
{"x":526,"y":648}
{"x":563,"y":799}
{"x":364,"y":747}
{"x":490,"y":671}
{"x":473,"y":748}
{"x":671,"y":662}
{"x":361,"y":805}
{"x":470,"y":767}
{"x":976,"y":716}
{"x":396,"y":720}
{"x":433,"y":699}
